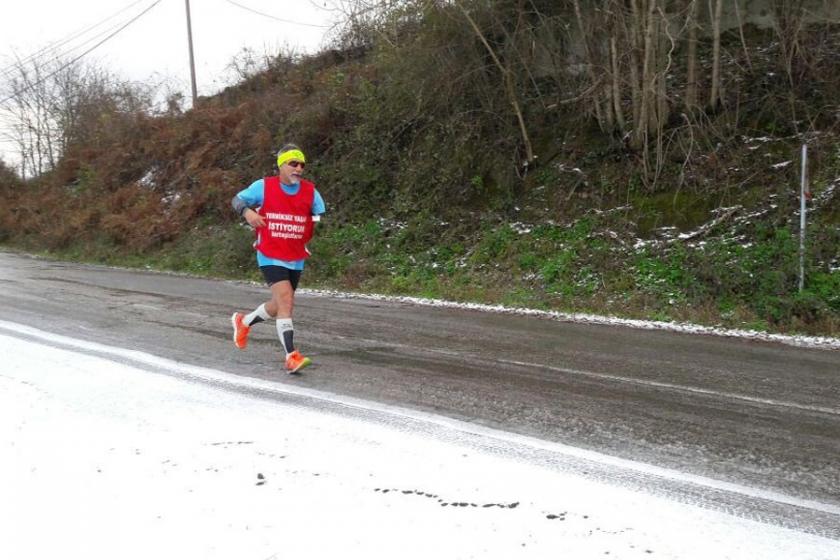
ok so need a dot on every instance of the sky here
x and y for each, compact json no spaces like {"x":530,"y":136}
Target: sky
{"x":112,"y":453}
{"x":155,"y":47}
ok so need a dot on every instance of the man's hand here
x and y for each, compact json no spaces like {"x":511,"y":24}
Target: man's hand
{"x":254,"y":219}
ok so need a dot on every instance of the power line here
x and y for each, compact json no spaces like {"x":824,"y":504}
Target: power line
{"x":72,"y":36}
{"x":51,"y":74}
{"x":253,"y":11}
{"x":9,"y":73}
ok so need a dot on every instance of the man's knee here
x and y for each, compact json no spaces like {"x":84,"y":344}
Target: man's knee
{"x":283,"y":298}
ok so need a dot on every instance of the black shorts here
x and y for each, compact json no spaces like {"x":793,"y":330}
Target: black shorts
{"x":273,"y":274}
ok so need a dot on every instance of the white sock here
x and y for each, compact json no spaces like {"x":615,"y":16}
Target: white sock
{"x":258,"y":315}
{"x":286,"y":332}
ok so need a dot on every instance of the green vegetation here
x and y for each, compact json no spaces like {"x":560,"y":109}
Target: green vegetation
{"x":415,"y":143}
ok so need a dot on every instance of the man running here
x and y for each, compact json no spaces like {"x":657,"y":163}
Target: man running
{"x":283,"y":210}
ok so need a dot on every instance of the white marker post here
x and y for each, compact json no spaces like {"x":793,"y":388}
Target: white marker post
{"x":802,"y":198}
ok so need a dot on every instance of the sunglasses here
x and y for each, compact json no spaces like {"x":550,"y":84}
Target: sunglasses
{"x":296,"y":164}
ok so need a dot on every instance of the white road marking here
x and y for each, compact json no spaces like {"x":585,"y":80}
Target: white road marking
{"x":681,"y":388}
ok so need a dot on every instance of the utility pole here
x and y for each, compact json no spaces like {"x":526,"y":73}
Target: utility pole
{"x":192,"y":59}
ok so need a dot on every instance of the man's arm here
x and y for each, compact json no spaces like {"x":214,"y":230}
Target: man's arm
{"x":318,"y":207}
{"x":245,"y":201}
{"x":239,"y":205}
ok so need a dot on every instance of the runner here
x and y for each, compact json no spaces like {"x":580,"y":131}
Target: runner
{"x":283,"y":210}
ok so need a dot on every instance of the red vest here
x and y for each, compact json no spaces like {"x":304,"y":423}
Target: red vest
{"x":288,"y":221}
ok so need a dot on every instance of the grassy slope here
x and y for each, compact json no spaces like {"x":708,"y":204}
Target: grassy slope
{"x":715,"y":242}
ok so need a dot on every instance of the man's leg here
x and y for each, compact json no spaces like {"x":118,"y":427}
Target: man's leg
{"x":258,"y":315}
{"x":242,"y":324}
{"x":282,"y":283}
{"x":283,"y":303}
{"x":281,"y":306}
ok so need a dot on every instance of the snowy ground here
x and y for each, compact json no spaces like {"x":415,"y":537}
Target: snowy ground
{"x":111,"y":453}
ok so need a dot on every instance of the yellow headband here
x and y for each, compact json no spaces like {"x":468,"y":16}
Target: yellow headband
{"x":284,"y":157}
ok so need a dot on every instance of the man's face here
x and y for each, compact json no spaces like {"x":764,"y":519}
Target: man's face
{"x":291,"y":172}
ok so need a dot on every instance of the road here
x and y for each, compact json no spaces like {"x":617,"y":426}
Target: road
{"x":752,"y":428}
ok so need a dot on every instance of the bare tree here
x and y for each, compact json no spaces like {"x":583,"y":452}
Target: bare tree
{"x":27,"y":101}
{"x":590,"y":65}
{"x":509,"y":84}
{"x":53,"y":104}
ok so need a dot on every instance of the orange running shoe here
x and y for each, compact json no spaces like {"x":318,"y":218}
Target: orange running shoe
{"x":240,"y":331}
{"x":296,"y":362}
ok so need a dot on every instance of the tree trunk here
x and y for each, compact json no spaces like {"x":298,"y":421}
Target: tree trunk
{"x":633,"y":32}
{"x":662,"y":109}
{"x":616,"y":87}
{"x":691,"y":64}
{"x":741,"y":33}
{"x":715,"y":95}
{"x":590,"y":66}
{"x":648,"y":101}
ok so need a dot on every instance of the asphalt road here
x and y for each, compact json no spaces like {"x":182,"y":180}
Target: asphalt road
{"x":757,"y":415}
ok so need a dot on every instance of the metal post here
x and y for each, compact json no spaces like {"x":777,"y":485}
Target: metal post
{"x":802,"y":197}
{"x":192,"y":59}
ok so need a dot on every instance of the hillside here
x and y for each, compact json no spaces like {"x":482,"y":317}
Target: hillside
{"x":458,"y":163}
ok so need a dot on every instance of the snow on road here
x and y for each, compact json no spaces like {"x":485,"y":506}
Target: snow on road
{"x":805,"y":341}
{"x":104,"y":459}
